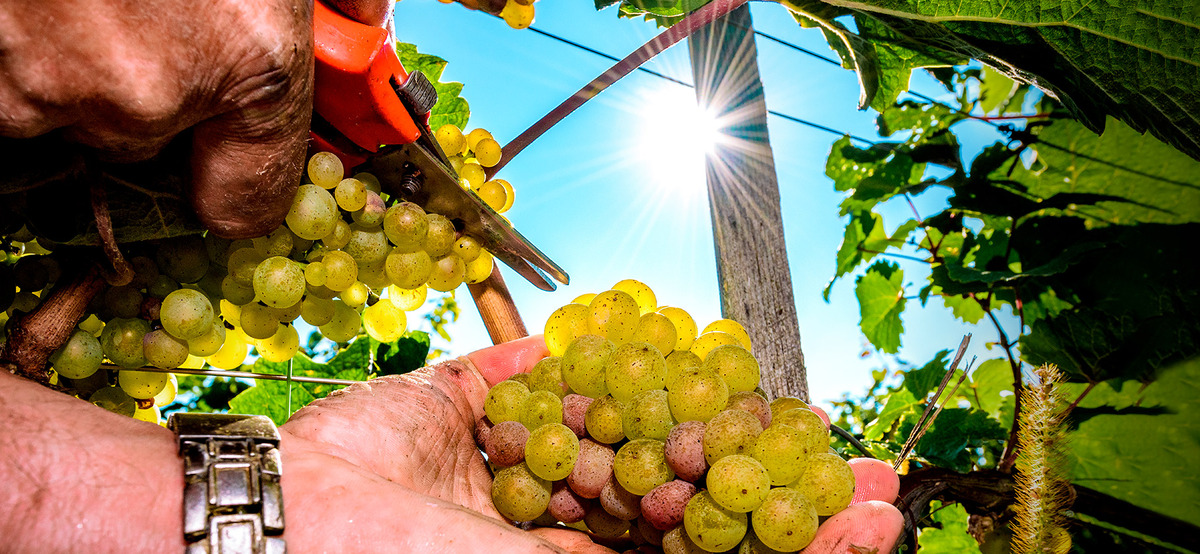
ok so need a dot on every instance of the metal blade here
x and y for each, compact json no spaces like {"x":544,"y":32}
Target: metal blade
{"x":441,"y":193}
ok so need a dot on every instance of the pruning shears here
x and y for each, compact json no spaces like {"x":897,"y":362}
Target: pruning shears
{"x":374,"y":115}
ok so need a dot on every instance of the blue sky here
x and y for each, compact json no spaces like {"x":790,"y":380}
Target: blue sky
{"x":609,"y":193}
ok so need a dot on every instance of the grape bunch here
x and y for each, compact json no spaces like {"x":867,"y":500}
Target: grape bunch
{"x":469,"y":154}
{"x":518,"y":14}
{"x":638,"y":424}
{"x":349,"y":259}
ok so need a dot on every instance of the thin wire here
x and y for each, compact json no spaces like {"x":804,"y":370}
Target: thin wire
{"x":681,"y":82}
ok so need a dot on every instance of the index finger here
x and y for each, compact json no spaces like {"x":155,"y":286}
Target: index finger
{"x":502,"y":361}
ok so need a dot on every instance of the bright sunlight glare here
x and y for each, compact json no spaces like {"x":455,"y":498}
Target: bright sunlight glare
{"x":673,"y":138}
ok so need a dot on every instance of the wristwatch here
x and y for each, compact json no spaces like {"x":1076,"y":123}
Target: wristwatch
{"x":232,"y":501}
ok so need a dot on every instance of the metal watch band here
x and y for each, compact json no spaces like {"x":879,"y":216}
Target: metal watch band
{"x":232,"y":500}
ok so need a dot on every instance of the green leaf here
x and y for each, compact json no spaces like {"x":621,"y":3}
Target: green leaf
{"x":896,"y":404}
{"x":964,"y":307}
{"x":402,"y":356}
{"x":987,"y":382}
{"x":1147,"y":180}
{"x":948,"y":534}
{"x":920,"y":382}
{"x":953,"y":432}
{"x":881,"y":300}
{"x":270,"y":398}
{"x":450,"y":107}
{"x":1142,"y":456}
{"x":349,"y":364}
{"x":995,"y":89}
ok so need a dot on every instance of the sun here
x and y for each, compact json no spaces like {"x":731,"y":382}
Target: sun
{"x":673,"y":138}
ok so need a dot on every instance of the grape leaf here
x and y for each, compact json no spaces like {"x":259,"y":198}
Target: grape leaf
{"x":1142,"y":458}
{"x":953,"y":432}
{"x":987,"y":382}
{"x":920,"y":382}
{"x":881,"y":300}
{"x":896,"y":404}
{"x":964,"y":307}
{"x":948,"y":533}
{"x":450,"y":107}
{"x":402,"y":356}
{"x":270,"y":398}
{"x":995,"y":89}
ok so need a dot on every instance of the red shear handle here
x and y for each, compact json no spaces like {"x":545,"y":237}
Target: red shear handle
{"x":356,"y":68}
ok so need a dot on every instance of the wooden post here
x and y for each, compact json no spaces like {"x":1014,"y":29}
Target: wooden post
{"x":743,"y":193}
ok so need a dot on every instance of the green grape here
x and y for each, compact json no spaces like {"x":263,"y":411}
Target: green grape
{"x":316,"y":311}
{"x":408,"y":269}
{"x":603,"y":524}
{"x":540,"y":408}
{"x":184,"y":259}
{"x":341,"y":270}
{"x":546,"y":375}
{"x":373,"y":276}
{"x":258,"y":321}
{"x":280,"y":346}
{"x":125,"y":302}
{"x":551,"y":451}
{"x":467,"y":248}
{"x":279,"y":282}
{"x":505,"y":401}
{"x":407,"y":299}
{"x":698,"y":396}
{"x":405,"y":225}
{"x":564,"y":326}
{"x":480,"y":268}
{"x":476,"y":135}
{"x":242,"y":263}
{"x":149,"y":415}
{"x":493,"y":194}
{"x":121,"y":341}
{"x":509,"y":195}
{"x":488,"y":152}
{"x":785,"y":403}
{"x":519,"y":494}
{"x":79,"y":357}
{"x":706,"y":342}
{"x":641,"y":465}
{"x":141,"y":384}
{"x":315,"y":274}
{"x":235,"y":291}
{"x":164,"y":351}
{"x":738,"y":483}
{"x":752,"y":545}
{"x":730,"y":432}
{"x":92,"y":324}
{"x":450,"y":138}
{"x":614,"y":315}
{"x":604,"y":420}
{"x":447,"y":273}
{"x":685,"y":326}
{"x":232,"y":353}
{"x":735,"y":365}
{"x":24,"y":302}
{"x":167,"y":395}
{"x":656,"y":329}
{"x":679,"y":364}
{"x":647,"y":416}
{"x":752,"y":402}
{"x":633,"y":368}
{"x":786,"y":520}
{"x":186,"y":314}
{"x":345,"y":324}
{"x":584,"y":363}
{"x":356,"y":295}
{"x":439,"y":240}
{"x":384,"y":322}
{"x":217,"y":247}
{"x":313,"y":213}
{"x":641,"y":294}
{"x":114,"y":400}
{"x":781,"y":450}
{"x":338,"y":237}
{"x":275,"y":243}
{"x":367,"y":244}
{"x":712,"y":527}
{"x":731,"y":327}
{"x":828,"y":482}
{"x":351,"y":194}
{"x":517,"y":15}
{"x":472,"y":173}
{"x":812,"y":428}
{"x":288,"y":314}
{"x":325,"y":170}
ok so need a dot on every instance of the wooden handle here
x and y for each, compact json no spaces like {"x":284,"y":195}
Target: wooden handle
{"x":496,"y":307}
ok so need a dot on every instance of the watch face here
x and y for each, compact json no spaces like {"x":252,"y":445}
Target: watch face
{"x":202,"y":426}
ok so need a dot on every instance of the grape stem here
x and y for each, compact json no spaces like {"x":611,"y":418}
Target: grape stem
{"x":36,"y":335}
{"x":664,"y":40}
{"x":850,"y":438}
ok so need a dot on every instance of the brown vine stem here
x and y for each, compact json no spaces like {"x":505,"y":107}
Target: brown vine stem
{"x":664,"y":40}
{"x":1009,"y":457}
{"x":122,"y":273}
{"x":1079,"y":399}
{"x":39,"y":333}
